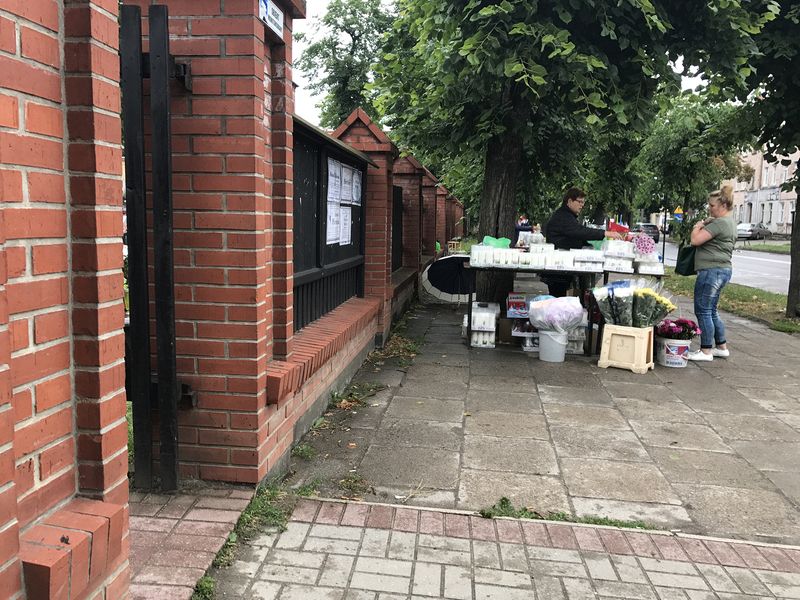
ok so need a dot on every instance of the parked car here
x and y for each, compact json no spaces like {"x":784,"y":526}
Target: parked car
{"x":648,"y":228}
{"x":752,"y":231}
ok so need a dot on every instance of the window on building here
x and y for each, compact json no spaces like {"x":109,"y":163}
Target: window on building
{"x":779,"y":212}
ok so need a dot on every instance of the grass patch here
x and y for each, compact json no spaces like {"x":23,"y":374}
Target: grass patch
{"x":270,"y":507}
{"x":204,"y":589}
{"x":504,"y":508}
{"x":304,"y":451}
{"x":355,"y":394}
{"x":741,"y":300}
{"x":354,"y":485}
{"x":774,"y":248}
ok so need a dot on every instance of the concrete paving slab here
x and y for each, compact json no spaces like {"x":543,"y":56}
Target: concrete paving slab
{"x":679,"y":435}
{"x":482,"y":489}
{"x":702,"y":467}
{"x":508,"y":454}
{"x":640,"y":391}
{"x":769,"y":456}
{"x":503,"y":424}
{"x":609,"y":444}
{"x":420,"y":434}
{"x":788,"y":482}
{"x":667,"y":516}
{"x":437,"y":372}
{"x":378,"y":374}
{"x":573,"y":395}
{"x":757,"y":514}
{"x":401,"y":466}
{"x":501,"y":384}
{"x":773,"y":400}
{"x":404,"y":407}
{"x":750,"y":427}
{"x":644,"y":410}
{"x":441,"y":388}
{"x":510,"y":402}
{"x":584,"y":416}
{"x":614,"y":480}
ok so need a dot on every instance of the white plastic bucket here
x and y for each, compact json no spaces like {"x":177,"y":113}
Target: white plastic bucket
{"x":552,"y":346}
{"x":672,"y":353}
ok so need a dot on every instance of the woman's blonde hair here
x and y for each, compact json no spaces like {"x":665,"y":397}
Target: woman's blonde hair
{"x":724,"y":196}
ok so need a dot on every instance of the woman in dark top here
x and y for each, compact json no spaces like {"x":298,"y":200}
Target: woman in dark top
{"x":565,"y":232}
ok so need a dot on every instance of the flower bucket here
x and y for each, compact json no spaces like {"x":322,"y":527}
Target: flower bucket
{"x":672,"y":353}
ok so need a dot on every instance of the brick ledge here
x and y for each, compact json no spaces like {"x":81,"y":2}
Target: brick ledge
{"x":73,"y":550}
{"x":316,"y":344}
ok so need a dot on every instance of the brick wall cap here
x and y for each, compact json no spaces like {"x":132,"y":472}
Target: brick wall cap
{"x":359,"y":115}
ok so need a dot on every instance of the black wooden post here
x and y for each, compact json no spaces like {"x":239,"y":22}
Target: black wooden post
{"x":162,"y":233}
{"x":138,"y":351}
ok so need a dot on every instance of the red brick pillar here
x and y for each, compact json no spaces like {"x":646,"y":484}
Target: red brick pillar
{"x":95,"y":192}
{"x":279,"y":108}
{"x":408,"y":175}
{"x":9,"y":537}
{"x":429,"y":183}
{"x":441,"y":216}
{"x":361,"y":133}
{"x":232,"y":199}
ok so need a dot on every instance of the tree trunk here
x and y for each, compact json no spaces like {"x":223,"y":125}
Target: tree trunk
{"x":502,"y":169}
{"x":793,"y":299}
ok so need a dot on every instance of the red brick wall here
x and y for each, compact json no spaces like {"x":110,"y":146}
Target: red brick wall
{"x":441,"y":216}
{"x":428,"y":214}
{"x":408,"y":175}
{"x":61,"y":314}
{"x":361,"y":133}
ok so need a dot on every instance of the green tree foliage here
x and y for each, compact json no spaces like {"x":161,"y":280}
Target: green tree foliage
{"x":339,"y":58}
{"x":613,"y":176}
{"x":692,"y":145}
{"x":513,"y":76}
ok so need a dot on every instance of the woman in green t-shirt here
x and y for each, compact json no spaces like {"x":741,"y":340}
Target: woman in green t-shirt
{"x":714,"y":239}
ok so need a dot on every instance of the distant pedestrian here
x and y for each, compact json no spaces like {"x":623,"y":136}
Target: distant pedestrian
{"x":714,"y":238}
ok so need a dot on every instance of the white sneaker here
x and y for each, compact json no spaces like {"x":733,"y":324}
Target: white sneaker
{"x":721,"y":353}
{"x":700,"y":356}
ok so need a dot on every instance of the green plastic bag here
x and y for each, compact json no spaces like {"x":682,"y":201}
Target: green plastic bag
{"x":596,"y":244}
{"x":438,"y":247}
{"x":496,"y":242}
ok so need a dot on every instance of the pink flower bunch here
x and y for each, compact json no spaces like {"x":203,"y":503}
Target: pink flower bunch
{"x":677,"y":329}
{"x":644,"y":244}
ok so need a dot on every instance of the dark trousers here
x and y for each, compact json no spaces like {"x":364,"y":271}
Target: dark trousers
{"x":558,"y":287}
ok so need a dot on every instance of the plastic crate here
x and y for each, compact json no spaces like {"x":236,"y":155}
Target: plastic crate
{"x":627,"y":348}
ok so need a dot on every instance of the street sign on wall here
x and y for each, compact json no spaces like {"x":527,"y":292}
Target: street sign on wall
{"x":678,"y":214}
{"x":272,"y":17}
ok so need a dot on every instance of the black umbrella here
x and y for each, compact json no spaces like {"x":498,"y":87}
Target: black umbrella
{"x":447,"y":279}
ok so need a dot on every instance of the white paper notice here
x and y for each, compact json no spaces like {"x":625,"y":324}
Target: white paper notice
{"x":334,"y":180}
{"x":357,"y":188}
{"x":347,"y":184}
{"x":345,"y":226}
{"x":332,"y":228}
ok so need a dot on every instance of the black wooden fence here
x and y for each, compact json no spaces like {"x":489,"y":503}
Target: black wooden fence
{"x":397,"y":228}
{"x":326,"y":272}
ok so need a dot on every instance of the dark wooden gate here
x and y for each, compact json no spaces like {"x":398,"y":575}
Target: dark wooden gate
{"x":160,"y":67}
{"x":397,"y":227}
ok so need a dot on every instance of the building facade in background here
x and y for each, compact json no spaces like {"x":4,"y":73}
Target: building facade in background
{"x":761,"y":200}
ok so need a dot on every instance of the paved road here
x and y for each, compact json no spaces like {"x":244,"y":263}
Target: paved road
{"x":757,"y":269}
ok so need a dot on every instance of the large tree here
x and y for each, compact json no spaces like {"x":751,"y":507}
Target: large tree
{"x":340,"y":54}
{"x":692,"y":145}
{"x":774,"y":113}
{"x":511,"y":76}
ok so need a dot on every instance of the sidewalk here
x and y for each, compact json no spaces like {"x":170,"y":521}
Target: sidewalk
{"x":710,"y":449}
{"x":341,"y":551}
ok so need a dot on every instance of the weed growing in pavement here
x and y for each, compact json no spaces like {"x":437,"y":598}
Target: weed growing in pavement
{"x":304,"y":451}
{"x":270,"y":507}
{"x":204,"y":588}
{"x":354,"y":485}
{"x":354,"y":395}
{"x":504,"y":508}
{"x":398,"y":346}
{"x":308,"y":489}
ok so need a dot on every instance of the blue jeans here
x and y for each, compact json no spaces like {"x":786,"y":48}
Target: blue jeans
{"x":707,"y":290}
